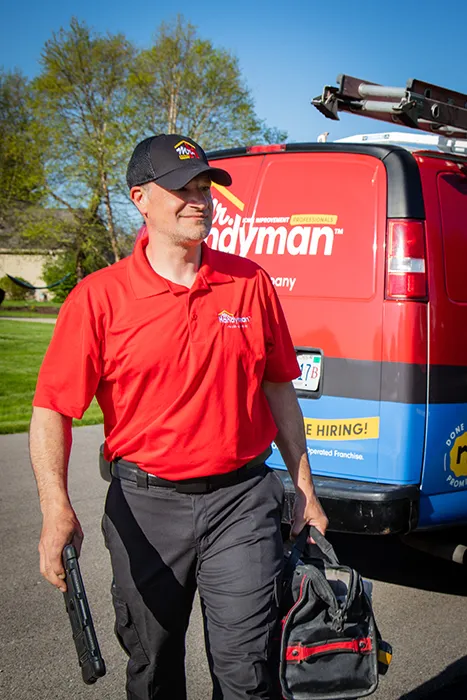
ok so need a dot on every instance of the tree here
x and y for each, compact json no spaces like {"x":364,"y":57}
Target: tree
{"x":82,"y":95}
{"x":22,"y":177}
{"x":81,"y":252}
{"x":57,"y":268}
{"x":94,"y":99}
{"x":183,"y":84}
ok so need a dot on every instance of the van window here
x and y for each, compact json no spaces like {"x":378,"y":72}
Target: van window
{"x":452,"y":188}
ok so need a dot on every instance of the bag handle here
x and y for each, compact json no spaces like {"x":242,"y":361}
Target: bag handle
{"x":325,"y":547}
{"x":322,"y":543}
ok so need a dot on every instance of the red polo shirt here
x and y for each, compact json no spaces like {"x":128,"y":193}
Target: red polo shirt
{"x":176,"y":371}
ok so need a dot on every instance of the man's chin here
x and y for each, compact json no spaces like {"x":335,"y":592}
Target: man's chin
{"x":196,"y":238}
{"x":200,"y":234}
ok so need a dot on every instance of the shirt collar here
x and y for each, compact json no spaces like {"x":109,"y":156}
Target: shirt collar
{"x":145,"y":282}
{"x":211,"y":268}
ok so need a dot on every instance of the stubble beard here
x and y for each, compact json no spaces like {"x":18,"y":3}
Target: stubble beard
{"x":197,"y":232}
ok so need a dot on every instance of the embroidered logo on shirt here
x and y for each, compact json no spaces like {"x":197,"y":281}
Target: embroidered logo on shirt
{"x":185,"y":150}
{"x":233,"y":321}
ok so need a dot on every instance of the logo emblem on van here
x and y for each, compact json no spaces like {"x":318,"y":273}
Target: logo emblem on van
{"x":455,"y":458}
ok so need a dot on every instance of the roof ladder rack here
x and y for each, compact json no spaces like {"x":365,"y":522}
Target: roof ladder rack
{"x":419,"y":105}
{"x":445,"y":144}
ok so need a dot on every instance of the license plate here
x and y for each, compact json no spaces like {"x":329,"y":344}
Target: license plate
{"x":310,"y":367}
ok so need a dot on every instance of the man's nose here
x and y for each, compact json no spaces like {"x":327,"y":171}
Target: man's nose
{"x":201,"y":198}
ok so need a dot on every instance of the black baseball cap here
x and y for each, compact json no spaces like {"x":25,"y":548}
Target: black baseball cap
{"x":171,"y":161}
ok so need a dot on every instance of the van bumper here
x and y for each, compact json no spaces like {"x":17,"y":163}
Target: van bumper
{"x":360,"y":507}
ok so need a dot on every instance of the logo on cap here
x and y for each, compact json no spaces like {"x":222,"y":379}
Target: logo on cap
{"x":186,"y":150}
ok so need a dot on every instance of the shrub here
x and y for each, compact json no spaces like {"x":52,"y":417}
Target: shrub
{"x":13,"y":291}
{"x":54,"y":271}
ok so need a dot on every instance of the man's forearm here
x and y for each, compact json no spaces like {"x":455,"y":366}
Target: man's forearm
{"x":291,"y":442}
{"x":50,"y":445}
{"x":50,"y":441}
{"x":290,"y":438}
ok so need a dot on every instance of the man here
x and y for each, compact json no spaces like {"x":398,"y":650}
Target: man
{"x":188,"y":353}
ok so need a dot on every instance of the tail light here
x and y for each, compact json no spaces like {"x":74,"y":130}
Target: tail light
{"x":266,"y":148}
{"x":406,"y":276}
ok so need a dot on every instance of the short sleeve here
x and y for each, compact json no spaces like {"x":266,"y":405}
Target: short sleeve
{"x":71,"y":369}
{"x":281,"y":360}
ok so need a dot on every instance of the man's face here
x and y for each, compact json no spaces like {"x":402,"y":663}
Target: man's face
{"x":184,"y":216}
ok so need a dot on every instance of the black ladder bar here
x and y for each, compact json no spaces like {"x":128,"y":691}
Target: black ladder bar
{"x":419,"y":105}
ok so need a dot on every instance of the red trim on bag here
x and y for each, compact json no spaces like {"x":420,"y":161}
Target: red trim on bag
{"x":298,"y":653}
{"x":284,"y":621}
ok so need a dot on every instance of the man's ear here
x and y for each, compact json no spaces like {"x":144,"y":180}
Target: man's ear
{"x":139,"y":196}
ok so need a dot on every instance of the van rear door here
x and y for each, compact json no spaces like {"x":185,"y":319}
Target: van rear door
{"x":316,"y":222}
{"x":444,"y":483}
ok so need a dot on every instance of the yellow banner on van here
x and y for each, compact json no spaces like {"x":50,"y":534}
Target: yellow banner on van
{"x":297,"y":219}
{"x":342,"y":428}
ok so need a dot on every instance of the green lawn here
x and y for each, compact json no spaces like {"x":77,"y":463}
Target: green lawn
{"x":22,"y":347}
{"x":29,"y":309}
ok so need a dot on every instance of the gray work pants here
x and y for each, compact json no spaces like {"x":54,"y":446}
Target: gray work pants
{"x":227,"y":543}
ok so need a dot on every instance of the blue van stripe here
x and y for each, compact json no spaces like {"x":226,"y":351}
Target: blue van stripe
{"x":386,"y":445}
{"x":398,"y":455}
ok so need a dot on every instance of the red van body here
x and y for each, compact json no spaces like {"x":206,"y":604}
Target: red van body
{"x":367,"y":247}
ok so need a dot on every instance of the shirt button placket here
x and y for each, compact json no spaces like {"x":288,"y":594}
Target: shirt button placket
{"x":193,"y":320}
{"x":194,"y":317}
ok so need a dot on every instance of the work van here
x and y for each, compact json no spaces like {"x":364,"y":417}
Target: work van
{"x":366,"y":245}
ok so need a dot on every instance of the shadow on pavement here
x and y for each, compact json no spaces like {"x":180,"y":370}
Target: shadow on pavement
{"x":451,"y":684}
{"x":387,"y":559}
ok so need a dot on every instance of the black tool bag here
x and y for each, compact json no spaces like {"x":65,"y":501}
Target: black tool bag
{"x":330,"y":644}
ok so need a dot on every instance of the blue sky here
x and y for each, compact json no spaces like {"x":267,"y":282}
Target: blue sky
{"x":287,"y":51}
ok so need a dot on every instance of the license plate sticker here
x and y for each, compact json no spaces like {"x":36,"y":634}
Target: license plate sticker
{"x":310,"y":367}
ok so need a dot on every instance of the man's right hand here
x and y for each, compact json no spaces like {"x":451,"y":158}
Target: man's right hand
{"x":59,"y":528}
